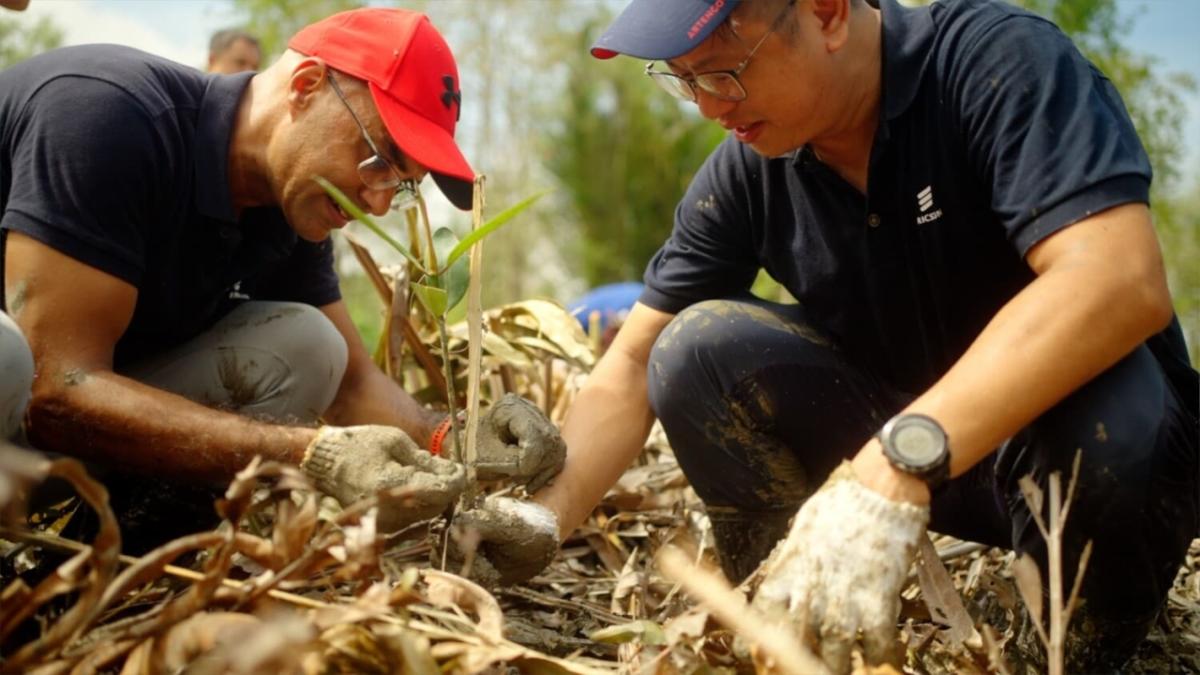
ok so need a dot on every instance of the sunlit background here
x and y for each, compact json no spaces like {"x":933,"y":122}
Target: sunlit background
{"x":539,"y":113}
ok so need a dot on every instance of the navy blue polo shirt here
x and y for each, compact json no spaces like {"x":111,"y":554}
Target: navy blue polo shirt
{"x":994,"y":133}
{"x":119,"y":159}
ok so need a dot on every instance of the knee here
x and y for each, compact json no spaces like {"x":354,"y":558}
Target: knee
{"x":691,"y":339}
{"x":312,"y":344}
{"x":302,"y":361}
{"x":16,"y":376}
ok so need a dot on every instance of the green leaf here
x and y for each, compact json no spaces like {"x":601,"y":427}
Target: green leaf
{"x":648,"y":632}
{"x":444,"y":241}
{"x":432,"y":297}
{"x":352,"y":208}
{"x":456,"y":280}
{"x":489,"y":227}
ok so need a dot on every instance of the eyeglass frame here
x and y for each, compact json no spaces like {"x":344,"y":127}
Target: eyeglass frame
{"x":661,"y":77}
{"x":406,"y":188}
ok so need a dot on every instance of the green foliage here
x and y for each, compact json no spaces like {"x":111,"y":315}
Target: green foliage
{"x":1156,"y":106}
{"x":274,"y":22}
{"x":625,"y":152}
{"x":19,"y":42}
{"x":441,"y":281}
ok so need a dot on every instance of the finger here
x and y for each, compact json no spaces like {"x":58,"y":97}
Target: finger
{"x":881,"y":645}
{"x":836,"y":641}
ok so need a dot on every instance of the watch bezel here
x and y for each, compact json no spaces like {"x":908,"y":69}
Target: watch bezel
{"x":933,"y":472}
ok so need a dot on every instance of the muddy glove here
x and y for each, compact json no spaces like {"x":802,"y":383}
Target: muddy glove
{"x":841,"y":569}
{"x":518,"y":441}
{"x":350,"y":463}
{"x":512,"y":539}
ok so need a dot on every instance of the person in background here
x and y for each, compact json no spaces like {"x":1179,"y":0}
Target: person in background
{"x":233,"y":50}
{"x":609,"y":304}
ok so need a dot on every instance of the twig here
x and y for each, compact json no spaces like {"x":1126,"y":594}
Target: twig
{"x":474,"y":344}
{"x":731,"y":608}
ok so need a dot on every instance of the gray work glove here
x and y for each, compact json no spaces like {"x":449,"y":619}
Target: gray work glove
{"x":351,"y":463}
{"x":841,"y":569}
{"x":518,"y":441}
{"x":512,"y":540}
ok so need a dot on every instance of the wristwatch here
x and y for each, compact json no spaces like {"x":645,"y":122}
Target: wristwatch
{"x":917,"y":445}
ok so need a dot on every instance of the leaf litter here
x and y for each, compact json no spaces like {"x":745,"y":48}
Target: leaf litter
{"x":291,"y":583}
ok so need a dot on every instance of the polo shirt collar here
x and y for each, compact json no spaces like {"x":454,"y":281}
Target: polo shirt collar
{"x":907,"y":46}
{"x":214,"y":125}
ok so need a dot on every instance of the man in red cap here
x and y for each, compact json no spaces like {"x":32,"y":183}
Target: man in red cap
{"x":167,"y":257}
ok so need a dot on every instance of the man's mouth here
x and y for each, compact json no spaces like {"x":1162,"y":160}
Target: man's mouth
{"x":340,"y":215}
{"x":748,"y":133}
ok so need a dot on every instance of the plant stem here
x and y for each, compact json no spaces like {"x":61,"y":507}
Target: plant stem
{"x":452,"y":393}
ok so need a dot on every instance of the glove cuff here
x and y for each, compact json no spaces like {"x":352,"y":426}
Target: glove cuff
{"x":321,"y":459}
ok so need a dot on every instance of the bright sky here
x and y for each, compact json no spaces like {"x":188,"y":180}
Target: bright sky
{"x":179,"y":29}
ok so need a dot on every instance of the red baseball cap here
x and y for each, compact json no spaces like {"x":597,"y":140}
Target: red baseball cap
{"x":413,"y":80}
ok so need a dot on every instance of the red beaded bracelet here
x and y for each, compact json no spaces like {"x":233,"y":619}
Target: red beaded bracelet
{"x":439,"y":436}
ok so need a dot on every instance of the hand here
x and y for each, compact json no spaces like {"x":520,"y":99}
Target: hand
{"x":516,"y":440}
{"x":351,"y":463}
{"x":842,"y":567}
{"x":512,"y":540}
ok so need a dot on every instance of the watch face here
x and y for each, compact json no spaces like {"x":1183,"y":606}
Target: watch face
{"x":917,"y":443}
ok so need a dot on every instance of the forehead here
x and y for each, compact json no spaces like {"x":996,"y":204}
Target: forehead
{"x":720,"y":48}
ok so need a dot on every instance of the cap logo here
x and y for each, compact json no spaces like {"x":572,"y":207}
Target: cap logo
{"x":451,"y":96}
{"x":705,"y":18}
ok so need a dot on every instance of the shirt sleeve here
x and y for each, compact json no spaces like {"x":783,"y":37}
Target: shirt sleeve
{"x":710,"y":253}
{"x":84,"y":175}
{"x":1045,"y":130}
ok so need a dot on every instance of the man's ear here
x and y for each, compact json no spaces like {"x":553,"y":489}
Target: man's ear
{"x":308,"y":76}
{"x":834,"y":16}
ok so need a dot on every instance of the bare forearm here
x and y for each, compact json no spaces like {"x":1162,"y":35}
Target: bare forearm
{"x":605,"y":431}
{"x":103,"y":417}
{"x":374,"y":398}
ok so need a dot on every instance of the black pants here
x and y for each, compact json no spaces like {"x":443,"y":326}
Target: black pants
{"x":760,"y":408}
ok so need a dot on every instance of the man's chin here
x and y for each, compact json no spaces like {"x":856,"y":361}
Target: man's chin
{"x":312,"y":233}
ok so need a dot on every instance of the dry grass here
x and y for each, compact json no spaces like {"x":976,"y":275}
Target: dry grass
{"x":292,"y":584}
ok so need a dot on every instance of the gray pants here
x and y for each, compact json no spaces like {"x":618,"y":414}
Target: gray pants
{"x":16,"y":377}
{"x":273,"y":360}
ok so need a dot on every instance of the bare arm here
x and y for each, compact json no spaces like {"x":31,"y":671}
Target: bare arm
{"x":367,"y":395}
{"x":608,"y":422}
{"x":1100,"y":292}
{"x":73,"y":315}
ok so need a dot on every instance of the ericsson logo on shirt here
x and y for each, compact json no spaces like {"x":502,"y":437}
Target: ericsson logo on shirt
{"x":925,"y":203}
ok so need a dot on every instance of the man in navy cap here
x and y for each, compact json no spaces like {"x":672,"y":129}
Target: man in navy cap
{"x":958,"y":200}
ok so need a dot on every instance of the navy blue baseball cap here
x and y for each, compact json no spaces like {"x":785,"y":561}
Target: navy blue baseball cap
{"x":661,"y":29}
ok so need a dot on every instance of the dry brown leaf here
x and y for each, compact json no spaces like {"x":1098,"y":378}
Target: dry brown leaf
{"x":450,"y":590}
{"x":1029,"y":584}
{"x":940,"y":595}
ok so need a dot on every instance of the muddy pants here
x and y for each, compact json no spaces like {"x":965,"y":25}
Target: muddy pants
{"x":275,"y":361}
{"x":16,"y":377}
{"x":760,"y":408}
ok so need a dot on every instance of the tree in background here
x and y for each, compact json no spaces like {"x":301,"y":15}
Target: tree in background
{"x":625,"y":153}
{"x":1155,"y":103}
{"x":273,"y":22}
{"x":19,"y":41}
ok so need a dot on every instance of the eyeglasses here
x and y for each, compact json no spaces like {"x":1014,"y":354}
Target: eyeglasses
{"x":376,"y":172}
{"x":720,"y":84}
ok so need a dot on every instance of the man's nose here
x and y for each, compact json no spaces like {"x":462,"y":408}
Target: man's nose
{"x":378,"y":201}
{"x":711,"y":106}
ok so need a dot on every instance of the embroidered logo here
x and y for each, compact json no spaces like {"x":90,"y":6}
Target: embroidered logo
{"x":925,"y":203}
{"x":705,"y":18}
{"x":451,"y":96}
